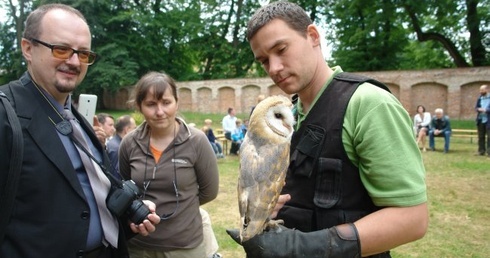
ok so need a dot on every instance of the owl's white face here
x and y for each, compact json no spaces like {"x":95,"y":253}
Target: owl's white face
{"x":273,"y":119}
{"x":280,"y":120}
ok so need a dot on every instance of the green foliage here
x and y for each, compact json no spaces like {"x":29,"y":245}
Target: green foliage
{"x":11,"y":61}
{"x":205,"y":39}
{"x":117,"y":66}
{"x":424,"y":55}
{"x":222,"y":47}
{"x":113,"y":70}
{"x":160,"y":43}
{"x":371,"y":35}
{"x":380,"y":35}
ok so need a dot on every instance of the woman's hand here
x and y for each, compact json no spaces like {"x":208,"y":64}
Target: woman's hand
{"x":148,"y":224}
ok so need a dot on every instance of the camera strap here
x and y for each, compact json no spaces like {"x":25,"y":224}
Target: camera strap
{"x":63,"y":126}
{"x":16,"y":156}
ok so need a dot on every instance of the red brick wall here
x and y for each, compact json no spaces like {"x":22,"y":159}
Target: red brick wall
{"x":454,"y":90}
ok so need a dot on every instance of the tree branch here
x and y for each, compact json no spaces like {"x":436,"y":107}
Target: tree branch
{"x":426,"y":36}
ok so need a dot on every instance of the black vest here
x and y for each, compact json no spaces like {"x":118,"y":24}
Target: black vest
{"x":325,"y":186}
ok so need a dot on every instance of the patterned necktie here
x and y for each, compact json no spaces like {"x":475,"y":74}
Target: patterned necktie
{"x":98,"y":181}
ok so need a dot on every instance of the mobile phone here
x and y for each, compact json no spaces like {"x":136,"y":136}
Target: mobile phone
{"x":87,"y":104}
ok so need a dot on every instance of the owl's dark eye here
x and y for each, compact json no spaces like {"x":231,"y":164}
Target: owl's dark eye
{"x":278,"y":115}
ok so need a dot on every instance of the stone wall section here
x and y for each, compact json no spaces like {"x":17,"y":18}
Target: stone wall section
{"x":454,"y":90}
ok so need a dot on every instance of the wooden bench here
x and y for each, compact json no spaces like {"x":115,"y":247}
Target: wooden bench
{"x":220,"y":136}
{"x":465,"y":133}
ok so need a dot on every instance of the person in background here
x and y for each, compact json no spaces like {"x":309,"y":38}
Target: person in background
{"x":208,"y":130}
{"x":229,"y":126}
{"x":482,"y":109}
{"x":124,"y":125}
{"x":58,"y":211}
{"x":259,"y":99}
{"x":421,"y":123}
{"x":236,"y":138}
{"x":244,"y":126}
{"x":488,"y":131}
{"x":106,"y":121}
{"x":175,"y":166}
{"x":210,"y":243}
{"x":229,"y":123}
{"x":355,"y":186}
{"x":440,"y":126}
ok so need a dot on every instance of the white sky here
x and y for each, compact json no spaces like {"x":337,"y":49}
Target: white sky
{"x":3,"y":10}
{"x":3,"y":15}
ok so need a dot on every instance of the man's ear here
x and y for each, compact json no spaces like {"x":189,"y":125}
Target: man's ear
{"x":26,"y":46}
{"x":313,"y":33}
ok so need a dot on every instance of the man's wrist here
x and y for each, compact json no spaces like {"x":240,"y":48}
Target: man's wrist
{"x":344,"y":241}
{"x":347,"y":231}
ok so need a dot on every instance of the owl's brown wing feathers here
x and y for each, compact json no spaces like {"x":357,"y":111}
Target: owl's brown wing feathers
{"x":262,"y":173}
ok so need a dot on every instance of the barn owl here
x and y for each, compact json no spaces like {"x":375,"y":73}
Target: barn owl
{"x":264,"y":159}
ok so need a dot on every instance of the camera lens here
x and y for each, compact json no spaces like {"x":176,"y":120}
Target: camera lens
{"x":138,"y":211}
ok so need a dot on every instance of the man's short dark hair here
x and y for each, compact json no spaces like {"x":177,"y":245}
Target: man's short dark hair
{"x":122,"y":122}
{"x":102,"y":117}
{"x":292,"y":14}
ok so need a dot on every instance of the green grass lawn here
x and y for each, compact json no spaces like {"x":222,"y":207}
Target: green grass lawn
{"x":189,"y":117}
{"x":458,"y":187}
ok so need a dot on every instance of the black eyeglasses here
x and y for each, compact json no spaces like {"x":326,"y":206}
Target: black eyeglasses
{"x":64,"y":52}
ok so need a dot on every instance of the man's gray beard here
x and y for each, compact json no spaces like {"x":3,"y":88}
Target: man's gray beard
{"x":64,"y":89}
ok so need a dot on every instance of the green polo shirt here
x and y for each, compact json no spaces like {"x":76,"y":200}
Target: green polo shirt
{"x":378,"y":138}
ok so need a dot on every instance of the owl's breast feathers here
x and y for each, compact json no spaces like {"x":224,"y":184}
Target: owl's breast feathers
{"x":262,"y":172}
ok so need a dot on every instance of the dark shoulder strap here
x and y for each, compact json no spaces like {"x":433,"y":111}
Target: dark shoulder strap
{"x":16,"y":156}
{"x":350,"y":77}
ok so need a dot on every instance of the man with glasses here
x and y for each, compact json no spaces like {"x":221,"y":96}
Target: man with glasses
{"x":58,"y":208}
{"x":64,"y":52}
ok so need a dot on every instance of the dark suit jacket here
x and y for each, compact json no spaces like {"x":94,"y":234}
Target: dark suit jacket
{"x":50,"y":217}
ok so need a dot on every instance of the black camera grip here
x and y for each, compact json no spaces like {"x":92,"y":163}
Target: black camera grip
{"x":138,"y":212}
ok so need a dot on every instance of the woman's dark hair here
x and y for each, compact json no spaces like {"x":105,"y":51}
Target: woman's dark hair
{"x":157,"y":81}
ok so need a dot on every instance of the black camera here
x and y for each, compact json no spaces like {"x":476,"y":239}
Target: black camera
{"x":125,"y":199}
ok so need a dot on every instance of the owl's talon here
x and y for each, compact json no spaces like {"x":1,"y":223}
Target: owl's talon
{"x":273,"y":224}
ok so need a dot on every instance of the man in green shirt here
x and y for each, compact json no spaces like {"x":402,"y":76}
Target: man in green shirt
{"x":357,"y":187}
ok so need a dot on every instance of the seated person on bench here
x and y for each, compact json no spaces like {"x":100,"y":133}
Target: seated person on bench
{"x":440,"y":126}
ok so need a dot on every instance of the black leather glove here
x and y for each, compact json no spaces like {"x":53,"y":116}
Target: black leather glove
{"x":340,"y":241}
